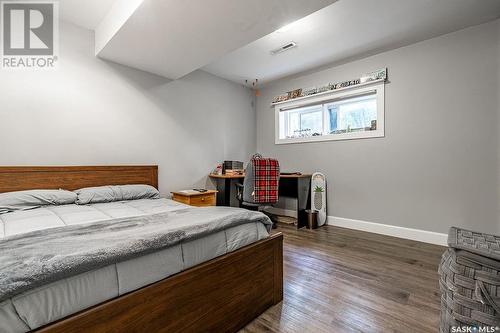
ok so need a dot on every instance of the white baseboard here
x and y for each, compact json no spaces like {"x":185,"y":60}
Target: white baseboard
{"x":390,"y":230}
{"x":377,"y":228}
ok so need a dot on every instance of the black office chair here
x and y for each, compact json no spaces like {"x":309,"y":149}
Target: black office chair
{"x":260,"y":186}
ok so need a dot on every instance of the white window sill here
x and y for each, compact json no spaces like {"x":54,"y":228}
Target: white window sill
{"x":333,"y":137}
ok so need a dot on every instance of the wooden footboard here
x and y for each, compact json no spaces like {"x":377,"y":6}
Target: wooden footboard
{"x":221,"y":295}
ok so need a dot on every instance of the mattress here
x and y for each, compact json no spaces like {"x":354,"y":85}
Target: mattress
{"x":51,"y":302}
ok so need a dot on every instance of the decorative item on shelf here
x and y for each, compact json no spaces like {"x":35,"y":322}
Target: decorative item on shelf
{"x":380,"y":74}
{"x":309,"y":91}
{"x":324,"y":88}
{"x":345,"y":84}
{"x":280,"y":98}
{"x":375,"y":75}
{"x":294,"y":93}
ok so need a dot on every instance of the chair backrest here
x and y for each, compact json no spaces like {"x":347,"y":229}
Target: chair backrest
{"x":261,"y":183}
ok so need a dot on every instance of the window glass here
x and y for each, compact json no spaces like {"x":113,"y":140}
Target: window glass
{"x":302,"y":122}
{"x":354,"y":114}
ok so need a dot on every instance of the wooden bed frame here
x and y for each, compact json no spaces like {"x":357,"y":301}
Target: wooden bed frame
{"x":221,"y":295}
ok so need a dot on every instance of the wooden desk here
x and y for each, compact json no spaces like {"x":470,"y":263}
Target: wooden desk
{"x":304,"y":175}
{"x":227,"y":176}
{"x":295,"y":186}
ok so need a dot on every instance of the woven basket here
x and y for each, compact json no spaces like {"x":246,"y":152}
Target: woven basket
{"x":470,"y":281}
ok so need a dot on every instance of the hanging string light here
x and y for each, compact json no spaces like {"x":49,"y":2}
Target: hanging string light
{"x":255,"y":86}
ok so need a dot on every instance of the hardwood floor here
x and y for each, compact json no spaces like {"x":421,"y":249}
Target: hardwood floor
{"x":341,"y":280}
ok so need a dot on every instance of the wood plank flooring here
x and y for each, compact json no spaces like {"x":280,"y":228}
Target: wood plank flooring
{"x":341,"y":280}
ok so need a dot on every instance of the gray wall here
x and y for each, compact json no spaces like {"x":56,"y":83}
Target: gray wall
{"x":92,"y":112}
{"x":498,"y":119}
{"x":437,"y":165}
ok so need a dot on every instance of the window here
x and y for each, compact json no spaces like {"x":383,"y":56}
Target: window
{"x":352,"y":114}
{"x":349,"y":114}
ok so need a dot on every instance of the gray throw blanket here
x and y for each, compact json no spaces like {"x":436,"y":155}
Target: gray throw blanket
{"x":36,"y":258}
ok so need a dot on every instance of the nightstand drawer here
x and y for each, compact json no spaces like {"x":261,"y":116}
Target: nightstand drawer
{"x":195,"y":198}
{"x":203,"y":200}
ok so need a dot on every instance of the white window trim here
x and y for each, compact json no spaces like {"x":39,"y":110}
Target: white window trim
{"x":378,"y":86}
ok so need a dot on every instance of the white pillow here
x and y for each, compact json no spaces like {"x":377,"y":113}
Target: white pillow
{"x":22,"y":200}
{"x":115,"y":193}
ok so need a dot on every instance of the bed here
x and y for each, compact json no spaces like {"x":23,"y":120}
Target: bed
{"x":218,"y":282}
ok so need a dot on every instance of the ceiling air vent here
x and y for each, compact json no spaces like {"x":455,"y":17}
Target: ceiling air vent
{"x":284,"y":48}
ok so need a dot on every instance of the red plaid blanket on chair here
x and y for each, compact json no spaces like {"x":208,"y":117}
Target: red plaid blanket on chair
{"x":266,"y":178}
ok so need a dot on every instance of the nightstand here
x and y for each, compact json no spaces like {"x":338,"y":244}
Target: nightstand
{"x":195,"y":198}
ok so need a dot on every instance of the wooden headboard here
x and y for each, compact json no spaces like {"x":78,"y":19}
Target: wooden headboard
{"x":75,"y":177}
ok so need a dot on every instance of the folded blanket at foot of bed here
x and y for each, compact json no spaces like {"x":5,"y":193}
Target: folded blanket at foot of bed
{"x":36,"y":258}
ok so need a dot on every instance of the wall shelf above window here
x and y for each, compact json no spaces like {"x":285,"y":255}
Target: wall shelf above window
{"x":343,"y":114}
{"x":330,"y":92}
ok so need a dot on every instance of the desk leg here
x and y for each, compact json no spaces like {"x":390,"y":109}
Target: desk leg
{"x":227,"y":192}
{"x":224,"y":192}
{"x":303,"y":200}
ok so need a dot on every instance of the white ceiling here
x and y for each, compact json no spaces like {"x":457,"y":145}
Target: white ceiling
{"x":172,"y":38}
{"x":348,"y":29}
{"x":233,"y":39}
{"x":84,"y":13}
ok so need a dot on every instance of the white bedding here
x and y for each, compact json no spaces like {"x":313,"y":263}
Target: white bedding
{"x":54,"y":301}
